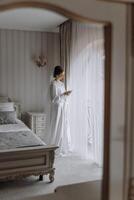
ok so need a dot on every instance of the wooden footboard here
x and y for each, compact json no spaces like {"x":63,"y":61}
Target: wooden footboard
{"x":23,"y":162}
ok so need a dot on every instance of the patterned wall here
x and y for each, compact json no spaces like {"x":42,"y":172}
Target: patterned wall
{"x":20,"y":79}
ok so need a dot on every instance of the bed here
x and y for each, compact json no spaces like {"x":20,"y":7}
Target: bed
{"x":23,"y":154}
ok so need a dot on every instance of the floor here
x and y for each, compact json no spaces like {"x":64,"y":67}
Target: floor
{"x":90,"y":190}
{"x":69,"y":170}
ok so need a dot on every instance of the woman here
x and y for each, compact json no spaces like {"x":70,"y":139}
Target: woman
{"x":59,"y":126}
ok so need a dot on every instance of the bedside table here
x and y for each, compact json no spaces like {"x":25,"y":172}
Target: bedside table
{"x":36,"y":122}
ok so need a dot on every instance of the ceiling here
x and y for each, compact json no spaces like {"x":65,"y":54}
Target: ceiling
{"x":31,"y":19}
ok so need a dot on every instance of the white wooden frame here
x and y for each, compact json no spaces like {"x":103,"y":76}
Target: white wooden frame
{"x":23,"y":162}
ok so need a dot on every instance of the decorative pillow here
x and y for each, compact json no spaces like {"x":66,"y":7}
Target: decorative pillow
{"x":8,"y":117}
{"x":6,"y":106}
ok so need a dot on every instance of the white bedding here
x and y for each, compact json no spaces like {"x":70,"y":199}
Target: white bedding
{"x":18,"y":136}
{"x":13,"y":127}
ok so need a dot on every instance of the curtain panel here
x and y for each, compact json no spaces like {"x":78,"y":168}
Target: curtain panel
{"x":83,"y":56}
{"x":65,"y":47}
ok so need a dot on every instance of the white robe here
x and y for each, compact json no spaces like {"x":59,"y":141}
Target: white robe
{"x":59,"y":125}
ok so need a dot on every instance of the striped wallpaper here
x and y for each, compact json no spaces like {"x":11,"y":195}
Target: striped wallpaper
{"x":20,"y":78}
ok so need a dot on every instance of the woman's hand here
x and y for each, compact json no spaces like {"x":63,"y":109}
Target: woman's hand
{"x":67,"y":93}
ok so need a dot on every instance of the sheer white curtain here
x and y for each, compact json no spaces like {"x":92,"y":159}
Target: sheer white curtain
{"x":85,"y":77}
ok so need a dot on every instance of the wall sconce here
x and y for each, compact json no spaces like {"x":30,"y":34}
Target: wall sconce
{"x":41,"y":61}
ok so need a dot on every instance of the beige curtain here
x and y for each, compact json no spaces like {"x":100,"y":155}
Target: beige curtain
{"x":65,"y":47}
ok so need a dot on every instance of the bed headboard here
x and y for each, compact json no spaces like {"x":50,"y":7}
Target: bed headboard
{"x":17,"y":105}
{"x":4,"y":99}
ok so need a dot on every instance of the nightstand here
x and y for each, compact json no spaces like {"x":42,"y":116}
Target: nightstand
{"x":36,"y":122}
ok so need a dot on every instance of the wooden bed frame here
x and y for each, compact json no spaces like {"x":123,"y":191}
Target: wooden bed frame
{"x":22,"y":162}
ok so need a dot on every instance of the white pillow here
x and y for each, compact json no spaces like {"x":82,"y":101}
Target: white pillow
{"x":6,"y":106}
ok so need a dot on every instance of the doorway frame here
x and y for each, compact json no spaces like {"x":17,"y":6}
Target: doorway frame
{"x":119,"y":1}
{"x":108,"y":63}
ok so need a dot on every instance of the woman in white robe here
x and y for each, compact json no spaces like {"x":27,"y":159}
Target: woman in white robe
{"x":59,"y":125}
